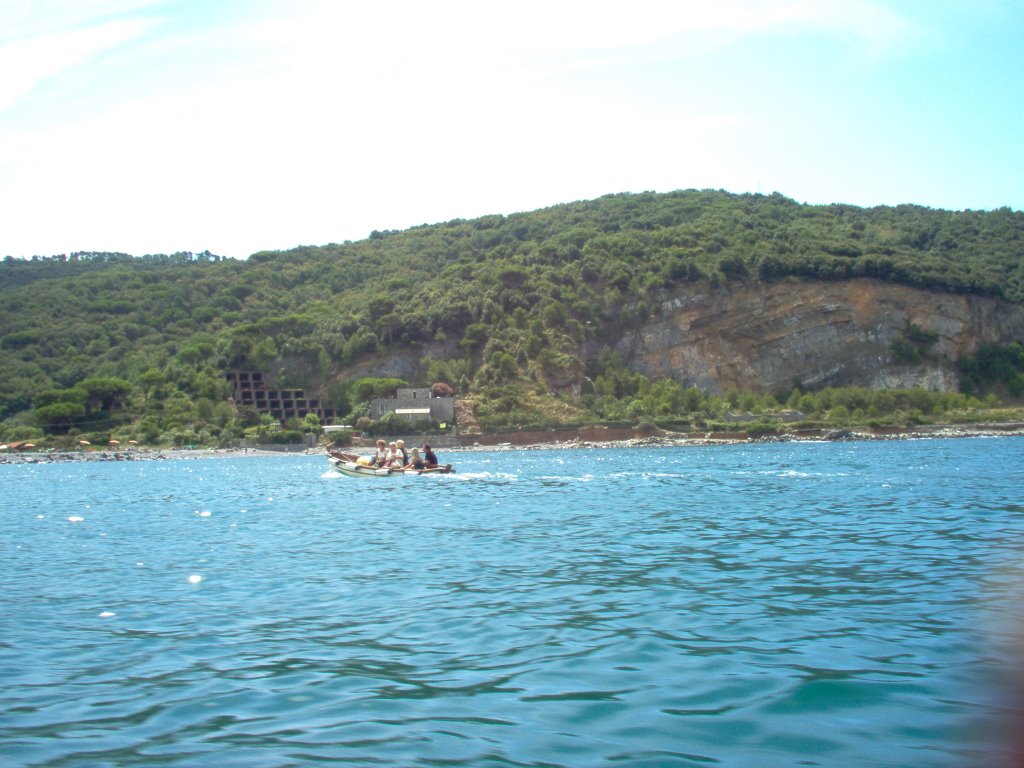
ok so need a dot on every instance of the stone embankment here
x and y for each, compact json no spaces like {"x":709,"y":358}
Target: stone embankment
{"x":46,"y":457}
{"x":51,"y":457}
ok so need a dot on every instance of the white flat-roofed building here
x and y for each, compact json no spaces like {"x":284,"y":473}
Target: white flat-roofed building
{"x":415,"y":405}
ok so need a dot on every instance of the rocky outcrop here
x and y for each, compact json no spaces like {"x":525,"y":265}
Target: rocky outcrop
{"x":768,"y":337}
{"x":398,"y":362}
{"x":465,"y":417}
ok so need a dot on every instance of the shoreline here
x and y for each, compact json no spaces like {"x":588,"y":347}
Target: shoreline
{"x":140,"y":454}
{"x":839,"y":434}
{"x":490,"y":443}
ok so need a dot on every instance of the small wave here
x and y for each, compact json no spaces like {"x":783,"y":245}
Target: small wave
{"x":499,"y":476}
{"x":649,"y":608}
{"x":792,"y":473}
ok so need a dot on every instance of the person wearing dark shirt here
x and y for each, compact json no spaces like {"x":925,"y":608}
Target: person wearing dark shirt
{"x":429,"y":458}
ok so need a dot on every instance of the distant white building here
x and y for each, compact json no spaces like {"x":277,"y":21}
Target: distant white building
{"x":415,"y":405}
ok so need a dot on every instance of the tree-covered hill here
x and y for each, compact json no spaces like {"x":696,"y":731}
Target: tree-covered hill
{"x":511,"y":300}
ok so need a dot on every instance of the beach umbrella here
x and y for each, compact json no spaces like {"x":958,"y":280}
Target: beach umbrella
{"x":3,"y":447}
{"x":113,"y":442}
{"x":133,"y":442}
{"x":84,"y":442}
{"x":29,"y":445}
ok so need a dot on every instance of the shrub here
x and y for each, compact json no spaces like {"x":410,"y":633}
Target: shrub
{"x":342,"y":437}
{"x":761,"y":429}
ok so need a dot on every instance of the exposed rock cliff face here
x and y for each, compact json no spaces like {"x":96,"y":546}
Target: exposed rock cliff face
{"x":769,"y":337}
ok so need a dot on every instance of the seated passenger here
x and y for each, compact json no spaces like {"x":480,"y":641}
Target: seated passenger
{"x":380,"y":454}
{"x":415,"y":460}
{"x":400,"y":444}
{"x":393,"y":457}
{"x":429,"y":458}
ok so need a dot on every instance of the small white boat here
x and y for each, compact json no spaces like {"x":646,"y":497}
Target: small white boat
{"x":352,"y":467}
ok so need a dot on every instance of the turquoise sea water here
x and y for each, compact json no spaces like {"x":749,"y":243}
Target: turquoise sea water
{"x":841,"y":604}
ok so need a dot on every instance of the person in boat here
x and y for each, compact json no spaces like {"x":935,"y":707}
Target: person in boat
{"x":380,"y":455}
{"x":393,"y":458}
{"x":415,"y":460}
{"x":400,"y":445}
{"x":429,"y":459}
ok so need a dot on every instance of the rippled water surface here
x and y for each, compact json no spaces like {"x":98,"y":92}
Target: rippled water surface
{"x":758,"y":605}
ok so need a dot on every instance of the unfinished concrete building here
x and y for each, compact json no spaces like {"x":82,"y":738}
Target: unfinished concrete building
{"x":249,"y":388}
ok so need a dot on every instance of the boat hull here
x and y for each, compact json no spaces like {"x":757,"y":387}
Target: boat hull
{"x":352,"y":469}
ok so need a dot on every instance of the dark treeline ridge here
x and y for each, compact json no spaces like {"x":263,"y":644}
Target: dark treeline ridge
{"x":512,"y":298}
{"x":24,"y":271}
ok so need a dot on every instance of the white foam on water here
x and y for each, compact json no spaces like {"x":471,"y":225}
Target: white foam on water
{"x":195,"y":578}
{"x":107,"y":614}
{"x":204,"y":513}
{"x":464,"y":476}
{"x":76,"y":519}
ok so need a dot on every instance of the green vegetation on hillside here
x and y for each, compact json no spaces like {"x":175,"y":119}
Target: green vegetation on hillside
{"x":511,"y":300}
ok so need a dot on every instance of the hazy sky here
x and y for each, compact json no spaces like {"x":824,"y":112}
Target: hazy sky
{"x":246,"y":125}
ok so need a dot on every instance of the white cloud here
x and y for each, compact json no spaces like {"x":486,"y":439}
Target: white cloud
{"x":876,"y":28}
{"x":337,"y":118}
{"x":26,"y":63}
{"x":413,"y":35}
